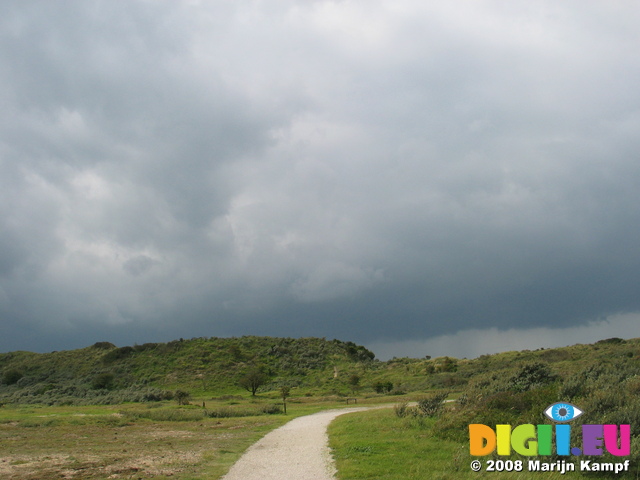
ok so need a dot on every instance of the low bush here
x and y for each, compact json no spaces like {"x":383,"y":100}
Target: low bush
{"x":383,"y":387}
{"x":166,"y":414}
{"x":400,"y":409}
{"x":103,"y":381}
{"x":530,"y":376}
{"x":432,"y":405}
{"x":228,"y":412}
{"x":271,"y":409}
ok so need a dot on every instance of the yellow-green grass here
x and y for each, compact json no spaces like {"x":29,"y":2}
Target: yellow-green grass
{"x":377,"y":445}
{"x":150,"y":441}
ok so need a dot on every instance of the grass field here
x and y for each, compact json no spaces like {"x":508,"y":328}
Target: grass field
{"x":134,"y":441}
{"x":377,"y":445}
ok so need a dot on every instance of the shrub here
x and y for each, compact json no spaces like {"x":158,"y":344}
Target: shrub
{"x":182,"y":397}
{"x":228,"y":412}
{"x":271,"y":409}
{"x":447,"y":364}
{"x":572,"y":387}
{"x":145,"y":346}
{"x":432,"y":405}
{"x":358,"y":352}
{"x":117,"y":354}
{"x":166,"y":414}
{"x":530,"y":376}
{"x":611,"y":341}
{"x":11,"y":377}
{"x":400,"y":409}
{"x":603,"y":402}
{"x":103,"y":381}
{"x":383,"y":387}
{"x":354,"y":382}
{"x":154,"y":395}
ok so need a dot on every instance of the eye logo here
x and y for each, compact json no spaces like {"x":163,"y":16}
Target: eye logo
{"x":562,"y":412}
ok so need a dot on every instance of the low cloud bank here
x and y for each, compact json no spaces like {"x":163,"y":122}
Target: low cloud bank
{"x":476,"y":342}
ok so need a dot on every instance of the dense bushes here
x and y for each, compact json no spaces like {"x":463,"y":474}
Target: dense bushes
{"x":606,"y":391}
{"x":532,"y":375}
{"x":11,"y":376}
{"x":356,"y":352}
{"x":117,"y":354}
{"x":103,"y":381}
{"x":383,"y":387}
{"x":50,"y":394}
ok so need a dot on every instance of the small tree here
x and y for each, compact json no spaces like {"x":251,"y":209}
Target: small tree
{"x":182,"y":397}
{"x":252,"y":381}
{"x":284,"y":392}
{"x":354,"y":382}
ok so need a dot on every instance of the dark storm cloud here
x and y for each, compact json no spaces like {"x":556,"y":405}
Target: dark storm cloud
{"x":373,"y":172}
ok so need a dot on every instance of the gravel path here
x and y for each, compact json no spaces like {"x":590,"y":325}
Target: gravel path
{"x":299,"y":450}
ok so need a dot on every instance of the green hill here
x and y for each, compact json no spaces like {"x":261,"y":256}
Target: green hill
{"x":104,"y":373}
{"x":214,"y":367}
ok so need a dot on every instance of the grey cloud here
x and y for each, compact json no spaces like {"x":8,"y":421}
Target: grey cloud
{"x":387,"y":172}
{"x":138,"y":265}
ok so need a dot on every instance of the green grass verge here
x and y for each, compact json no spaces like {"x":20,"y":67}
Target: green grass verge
{"x":377,"y":445}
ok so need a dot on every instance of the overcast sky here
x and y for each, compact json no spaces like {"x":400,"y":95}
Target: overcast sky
{"x":422,"y":177}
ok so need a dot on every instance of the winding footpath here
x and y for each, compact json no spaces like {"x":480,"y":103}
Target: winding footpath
{"x":299,"y":450}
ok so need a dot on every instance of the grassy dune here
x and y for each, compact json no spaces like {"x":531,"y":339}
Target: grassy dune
{"x":513,"y":388}
{"x":70,"y":414}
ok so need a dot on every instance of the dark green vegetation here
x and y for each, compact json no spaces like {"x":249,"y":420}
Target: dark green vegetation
{"x":512,"y":388}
